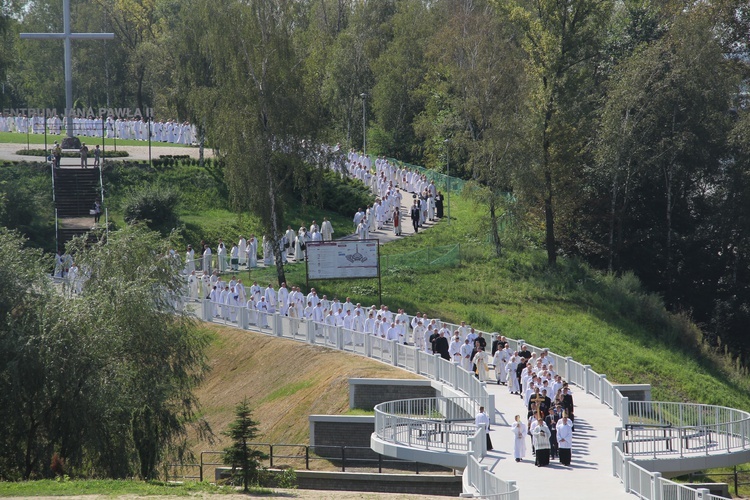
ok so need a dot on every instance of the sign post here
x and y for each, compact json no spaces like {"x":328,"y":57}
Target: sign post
{"x":343,"y":259}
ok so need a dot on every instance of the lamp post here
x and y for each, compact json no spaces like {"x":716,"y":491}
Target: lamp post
{"x":364,"y":123}
{"x":448,"y":173}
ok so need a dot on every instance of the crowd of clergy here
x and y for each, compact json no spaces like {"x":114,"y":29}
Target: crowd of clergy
{"x":138,"y":128}
{"x":388,"y":181}
{"x":546,"y":397}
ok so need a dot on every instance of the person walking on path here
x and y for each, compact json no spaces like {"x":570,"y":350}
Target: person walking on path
{"x":415,"y":215}
{"x":84,"y":155}
{"x":565,"y":439}
{"x":519,"y":438}
{"x":483,"y":420}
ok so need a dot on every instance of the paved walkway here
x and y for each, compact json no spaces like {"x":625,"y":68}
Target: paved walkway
{"x":8,"y":151}
{"x":590,"y":474}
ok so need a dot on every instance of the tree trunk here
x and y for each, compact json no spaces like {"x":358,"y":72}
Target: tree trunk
{"x":494,"y":232}
{"x":549,"y":214}
{"x":28,"y":458}
{"x":275,"y":226}
{"x":612,"y":218}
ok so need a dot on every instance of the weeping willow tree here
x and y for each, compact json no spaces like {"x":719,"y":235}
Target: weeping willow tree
{"x":103,"y":379}
{"x":259,"y":117}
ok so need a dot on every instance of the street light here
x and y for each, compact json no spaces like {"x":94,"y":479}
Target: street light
{"x":364,"y":124}
{"x":448,"y":173}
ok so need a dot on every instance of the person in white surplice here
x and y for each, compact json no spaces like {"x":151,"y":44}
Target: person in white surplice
{"x":326,"y":230}
{"x":519,"y":438}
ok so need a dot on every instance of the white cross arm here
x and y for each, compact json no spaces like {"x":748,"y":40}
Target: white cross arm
{"x":74,"y":36}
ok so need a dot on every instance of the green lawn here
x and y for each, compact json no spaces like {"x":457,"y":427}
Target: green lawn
{"x":14,"y":138}
{"x":110,"y":488}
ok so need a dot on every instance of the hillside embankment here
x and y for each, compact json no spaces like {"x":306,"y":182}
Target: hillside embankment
{"x":284,"y":381}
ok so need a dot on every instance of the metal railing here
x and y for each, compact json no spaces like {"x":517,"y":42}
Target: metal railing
{"x":663,"y":428}
{"x":304,"y":457}
{"x":650,"y":429}
{"x":651,"y":485}
{"x":487,"y":484}
{"x":440,"y":424}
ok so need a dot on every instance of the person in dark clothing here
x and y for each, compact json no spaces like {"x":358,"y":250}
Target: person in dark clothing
{"x":551,"y":421}
{"x":433,"y":337}
{"x":524,"y":352}
{"x":567,"y":404}
{"x":415,"y":213}
{"x":441,"y":346}
{"x":439,"y":205}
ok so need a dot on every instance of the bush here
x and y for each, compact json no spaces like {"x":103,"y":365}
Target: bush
{"x":344,"y":196}
{"x":155,"y":205}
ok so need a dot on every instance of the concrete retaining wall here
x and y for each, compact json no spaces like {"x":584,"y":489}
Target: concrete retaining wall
{"x":341,"y":430}
{"x":413,"y":484}
{"x":365,"y":393}
{"x":635,"y":392}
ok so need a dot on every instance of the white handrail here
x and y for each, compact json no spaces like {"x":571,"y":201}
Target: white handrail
{"x":696,"y":427}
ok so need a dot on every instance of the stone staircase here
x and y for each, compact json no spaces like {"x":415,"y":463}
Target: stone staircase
{"x":76,"y":190}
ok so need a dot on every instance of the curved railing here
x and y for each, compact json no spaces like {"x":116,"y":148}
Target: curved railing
{"x":693,"y":430}
{"x":440,"y":424}
{"x":667,"y":429}
{"x":489,"y":486}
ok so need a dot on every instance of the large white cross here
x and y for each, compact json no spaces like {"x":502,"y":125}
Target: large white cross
{"x":67,"y":36}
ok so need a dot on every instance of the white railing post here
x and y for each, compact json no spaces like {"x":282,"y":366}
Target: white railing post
{"x":656,"y":486}
{"x":702,"y":494}
{"x":626,"y":473}
{"x":483,"y":479}
{"x":416,"y":361}
{"x":567,"y":369}
{"x":625,"y":411}
{"x":368,"y":345}
{"x":602,"y":385}
{"x":207,"y":316}
{"x":273,"y":323}
{"x":310,"y":331}
{"x":586,"y":388}
{"x":242,"y":318}
{"x":339,"y":338}
{"x":615,"y":457}
{"x":394,"y":350}
{"x":278,"y":331}
{"x":491,"y":408}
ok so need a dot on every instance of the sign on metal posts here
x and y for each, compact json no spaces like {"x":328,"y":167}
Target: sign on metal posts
{"x":343,"y":259}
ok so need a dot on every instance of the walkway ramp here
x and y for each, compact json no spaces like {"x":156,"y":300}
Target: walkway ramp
{"x":588,"y":477}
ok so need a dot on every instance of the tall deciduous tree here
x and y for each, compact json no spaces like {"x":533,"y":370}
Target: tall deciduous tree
{"x":663,"y":135}
{"x":104,"y":379}
{"x":259,"y":114}
{"x":562,"y":40}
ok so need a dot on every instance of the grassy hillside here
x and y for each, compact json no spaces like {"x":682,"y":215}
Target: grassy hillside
{"x":285,"y":381}
{"x":610,"y":323}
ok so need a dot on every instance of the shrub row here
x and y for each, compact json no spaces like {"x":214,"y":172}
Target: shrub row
{"x":40,"y":152}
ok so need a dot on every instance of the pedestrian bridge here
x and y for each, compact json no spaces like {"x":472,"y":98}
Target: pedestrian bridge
{"x":649,"y":440}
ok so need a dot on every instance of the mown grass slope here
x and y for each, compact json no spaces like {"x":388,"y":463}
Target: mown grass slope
{"x":284,"y":381}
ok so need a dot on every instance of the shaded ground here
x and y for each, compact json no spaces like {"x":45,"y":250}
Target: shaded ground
{"x":307,"y":494}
